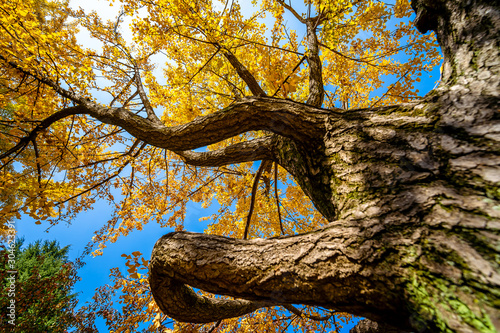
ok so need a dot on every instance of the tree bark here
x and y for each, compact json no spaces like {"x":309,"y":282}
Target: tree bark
{"x":412,"y":193}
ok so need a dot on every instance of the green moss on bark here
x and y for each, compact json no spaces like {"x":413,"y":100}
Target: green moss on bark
{"x":433,"y":300}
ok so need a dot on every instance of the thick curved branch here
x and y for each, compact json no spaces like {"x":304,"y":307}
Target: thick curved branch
{"x":248,"y":151}
{"x":180,"y":302}
{"x":314,"y":269}
{"x":183,"y":304}
{"x":283,"y":117}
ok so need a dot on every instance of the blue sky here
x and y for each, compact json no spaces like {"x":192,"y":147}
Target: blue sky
{"x":96,"y":271}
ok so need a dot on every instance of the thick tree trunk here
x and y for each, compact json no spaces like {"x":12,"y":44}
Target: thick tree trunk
{"x":412,"y":193}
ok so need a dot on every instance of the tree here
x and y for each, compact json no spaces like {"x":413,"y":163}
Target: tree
{"x":408,"y":192}
{"x":44,"y":280}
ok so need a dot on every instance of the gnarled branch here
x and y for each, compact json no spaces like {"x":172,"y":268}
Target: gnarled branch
{"x":314,"y":269}
{"x":283,"y":117}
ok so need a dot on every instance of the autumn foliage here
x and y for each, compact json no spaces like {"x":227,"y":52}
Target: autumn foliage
{"x":171,"y":62}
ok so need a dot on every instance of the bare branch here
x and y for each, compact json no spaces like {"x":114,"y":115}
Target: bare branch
{"x":215,"y":326}
{"x":289,"y":75}
{"x":127,"y":153}
{"x":390,"y":88}
{"x":204,"y":65}
{"x":299,"y":313}
{"x":37,"y":162}
{"x":349,"y":58}
{"x":103,"y":181}
{"x":129,"y":83}
{"x":42,"y":126}
{"x":278,"y":205}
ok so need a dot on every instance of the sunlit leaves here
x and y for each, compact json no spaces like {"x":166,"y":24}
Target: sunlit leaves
{"x":365,"y":46}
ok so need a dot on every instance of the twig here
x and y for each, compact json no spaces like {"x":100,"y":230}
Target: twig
{"x":37,"y":161}
{"x":144,"y":98}
{"x":294,"y":13}
{"x":204,"y":65}
{"x":277,"y":197}
{"x":390,"y":88}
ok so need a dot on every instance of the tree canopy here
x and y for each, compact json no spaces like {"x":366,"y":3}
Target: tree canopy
{"x":178,"y":105}
{"x":203,"y":48}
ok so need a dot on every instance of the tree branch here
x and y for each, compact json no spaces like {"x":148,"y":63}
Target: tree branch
{"x":144,"y":98}
{"x":42,"y":126}
{"x":316,"y":88}
{"x":244,"y":74}
{"x":253,"y":150}
{"x":299,"y":313}
{"x":368,"y":326}
{"x":294,"y":13}
{"x":252,"y":198}
{"x":278,"y":204}
{"x":182,"y":303}
{"x":317,"y":268}
{"x":283,"y":117}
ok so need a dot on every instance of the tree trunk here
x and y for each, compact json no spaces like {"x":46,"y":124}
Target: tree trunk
{"x":412,"y":193}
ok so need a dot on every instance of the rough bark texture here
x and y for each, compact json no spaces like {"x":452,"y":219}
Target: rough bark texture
{"x":412,"y":193}
{"x":316,"y":89}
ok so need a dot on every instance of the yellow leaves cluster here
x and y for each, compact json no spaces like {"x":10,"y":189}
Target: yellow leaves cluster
{"x":34,"y":35}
